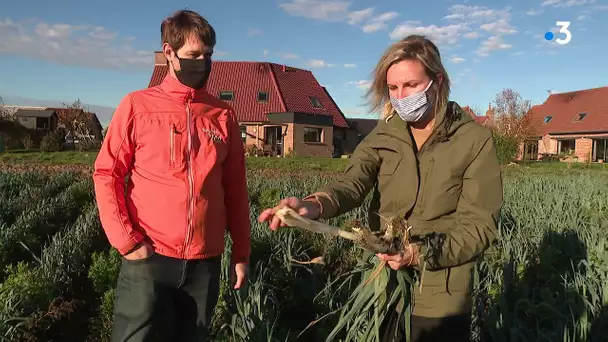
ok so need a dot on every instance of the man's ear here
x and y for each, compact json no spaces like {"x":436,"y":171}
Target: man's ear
{"x":168,"y":52}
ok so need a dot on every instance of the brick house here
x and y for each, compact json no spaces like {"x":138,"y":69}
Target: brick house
{"x":282,"y":110}
{"x":570,"y":126}
{"x":484,"y":120}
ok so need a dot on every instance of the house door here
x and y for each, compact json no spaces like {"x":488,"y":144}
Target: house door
{"x":273,"y":137}
{"x":531,"y":150}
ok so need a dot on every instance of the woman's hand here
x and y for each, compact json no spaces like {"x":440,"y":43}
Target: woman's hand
{"x":309,"y":208}
{"x":408,"y":258}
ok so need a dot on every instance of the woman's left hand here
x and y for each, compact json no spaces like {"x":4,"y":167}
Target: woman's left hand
{"x":407,"y":258}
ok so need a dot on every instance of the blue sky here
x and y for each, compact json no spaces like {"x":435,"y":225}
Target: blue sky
{"x":100,"y":50}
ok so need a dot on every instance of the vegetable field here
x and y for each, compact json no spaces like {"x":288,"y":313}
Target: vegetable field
{"x":546,"y":279}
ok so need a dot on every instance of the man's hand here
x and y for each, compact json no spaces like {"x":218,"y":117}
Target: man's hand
{"x":145,"y":250}
{"x":408,"y":258}
{"x":238,"y":275}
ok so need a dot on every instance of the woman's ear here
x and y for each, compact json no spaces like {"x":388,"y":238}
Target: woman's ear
{"x":439,"y":79}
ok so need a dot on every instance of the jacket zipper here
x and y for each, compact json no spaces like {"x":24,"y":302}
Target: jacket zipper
{"x":423,"y":185}
{"x":172,"y":147}
{"x":190,"y":179}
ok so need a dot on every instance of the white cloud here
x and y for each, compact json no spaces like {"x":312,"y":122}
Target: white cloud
{"x":456,"y":59}
{"x":266,"y":52}
{"x":567,"y":3}
{"x":350,"y":66}
{"x":362,"y":84}
{"x":472,"y":35}
{"x":533,"y":12}
{"x":474,"y":13}
{"x":379,"y":22}
{"x":448,"y":34}
{"x":494,"y":43}
{"x":518,"y":53}
{"x":357,"y":17}
{"x":331,"y":10}
{"x":374,"y":27}
{"x":84,"y":45}
{"x":338,"y":11}
{"x":500,"y":26}
{"x":319,"y":63}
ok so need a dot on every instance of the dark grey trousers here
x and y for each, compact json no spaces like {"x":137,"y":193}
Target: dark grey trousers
{"x":165,"y":299}
{"x":426,"y":329}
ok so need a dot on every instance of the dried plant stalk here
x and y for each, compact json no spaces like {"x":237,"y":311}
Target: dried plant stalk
{"x":392,"y":240}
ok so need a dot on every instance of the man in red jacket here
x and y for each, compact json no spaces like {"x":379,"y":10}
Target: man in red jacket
{"x":181,"y":149}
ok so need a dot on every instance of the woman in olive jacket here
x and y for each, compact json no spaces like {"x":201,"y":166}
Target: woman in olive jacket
{"x":429,"y":161}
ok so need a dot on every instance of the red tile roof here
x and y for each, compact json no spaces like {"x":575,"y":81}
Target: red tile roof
{"x":289,"y":89}
{"x":478,"y":118}
{"x":564,"y":110}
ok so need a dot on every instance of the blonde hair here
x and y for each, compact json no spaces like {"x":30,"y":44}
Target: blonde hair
{"x":414,"y":47}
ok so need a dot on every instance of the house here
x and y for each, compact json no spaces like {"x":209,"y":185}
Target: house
{"x":484,"y":120}
{"x":572,"y":125}
{"x":38,"y":119}
{"x":89,"y":124}
{"x":358,"y":129}
{"x":282,"y":110}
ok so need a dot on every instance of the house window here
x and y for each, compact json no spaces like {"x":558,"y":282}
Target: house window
{"x":581,"y":116}
{"x":243,"y":133}
{"x":226,"y":95}
{"x":548,"y":118}
{"x":313,"y":134}
{"x":263,"y":96}
{"x":566,"y":146}
{"x":600,"y":150}
{"x":315,"y":102}
{"x":42,"y":124}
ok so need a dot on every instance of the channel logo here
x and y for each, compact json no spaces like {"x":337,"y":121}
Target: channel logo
{"x":564,"y":29}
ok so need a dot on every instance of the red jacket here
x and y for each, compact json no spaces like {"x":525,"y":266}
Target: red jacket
{"x":183,"y":152}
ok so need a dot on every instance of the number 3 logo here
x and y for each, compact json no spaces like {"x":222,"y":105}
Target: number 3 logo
{"x":563,"y":28}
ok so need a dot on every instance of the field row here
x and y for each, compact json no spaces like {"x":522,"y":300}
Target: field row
{"x":545,"y":280}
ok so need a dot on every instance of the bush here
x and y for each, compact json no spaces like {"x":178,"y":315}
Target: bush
{"x":88,"y":145}
{"x":52,"y":142}
{"x":507,"y":148}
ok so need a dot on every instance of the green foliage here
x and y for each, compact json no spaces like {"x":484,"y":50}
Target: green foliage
{"x":104,"y":269}
{"x":507,"y":148}
{"x":24,"y":291}
{"x":52,"y":142}
{"x":545,"y":279}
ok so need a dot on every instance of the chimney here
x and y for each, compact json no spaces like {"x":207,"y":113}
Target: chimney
{"x":159,"y":58}
{"x":490,"y":112}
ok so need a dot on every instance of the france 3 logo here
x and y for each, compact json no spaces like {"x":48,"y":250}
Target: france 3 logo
{"x":564,"y":29}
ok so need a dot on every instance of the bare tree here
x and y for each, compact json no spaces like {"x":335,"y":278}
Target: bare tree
{"x":77,"y":121}
{"x":510,"y":115}
{"x":4,"y":112}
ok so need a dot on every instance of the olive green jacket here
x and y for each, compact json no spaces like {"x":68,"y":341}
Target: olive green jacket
{"x":450,"y":191}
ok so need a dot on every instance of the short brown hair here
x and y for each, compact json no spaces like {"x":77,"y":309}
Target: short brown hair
{"x":178,"y":27}
{"x":414,"y":47}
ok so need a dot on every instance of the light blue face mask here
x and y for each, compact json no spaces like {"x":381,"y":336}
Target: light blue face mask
{"x":414,"y":107}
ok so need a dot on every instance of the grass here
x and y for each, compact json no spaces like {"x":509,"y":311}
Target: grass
{"x":546,"y":279}
{"x":292,"y":164}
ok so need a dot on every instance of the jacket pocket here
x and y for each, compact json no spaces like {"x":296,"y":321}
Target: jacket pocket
{"x":389,"y":165}
{"x":175,"y":146}
{"x":160,"y":143}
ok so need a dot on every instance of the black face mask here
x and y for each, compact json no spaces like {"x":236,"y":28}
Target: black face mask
{"x":194,"y":73}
